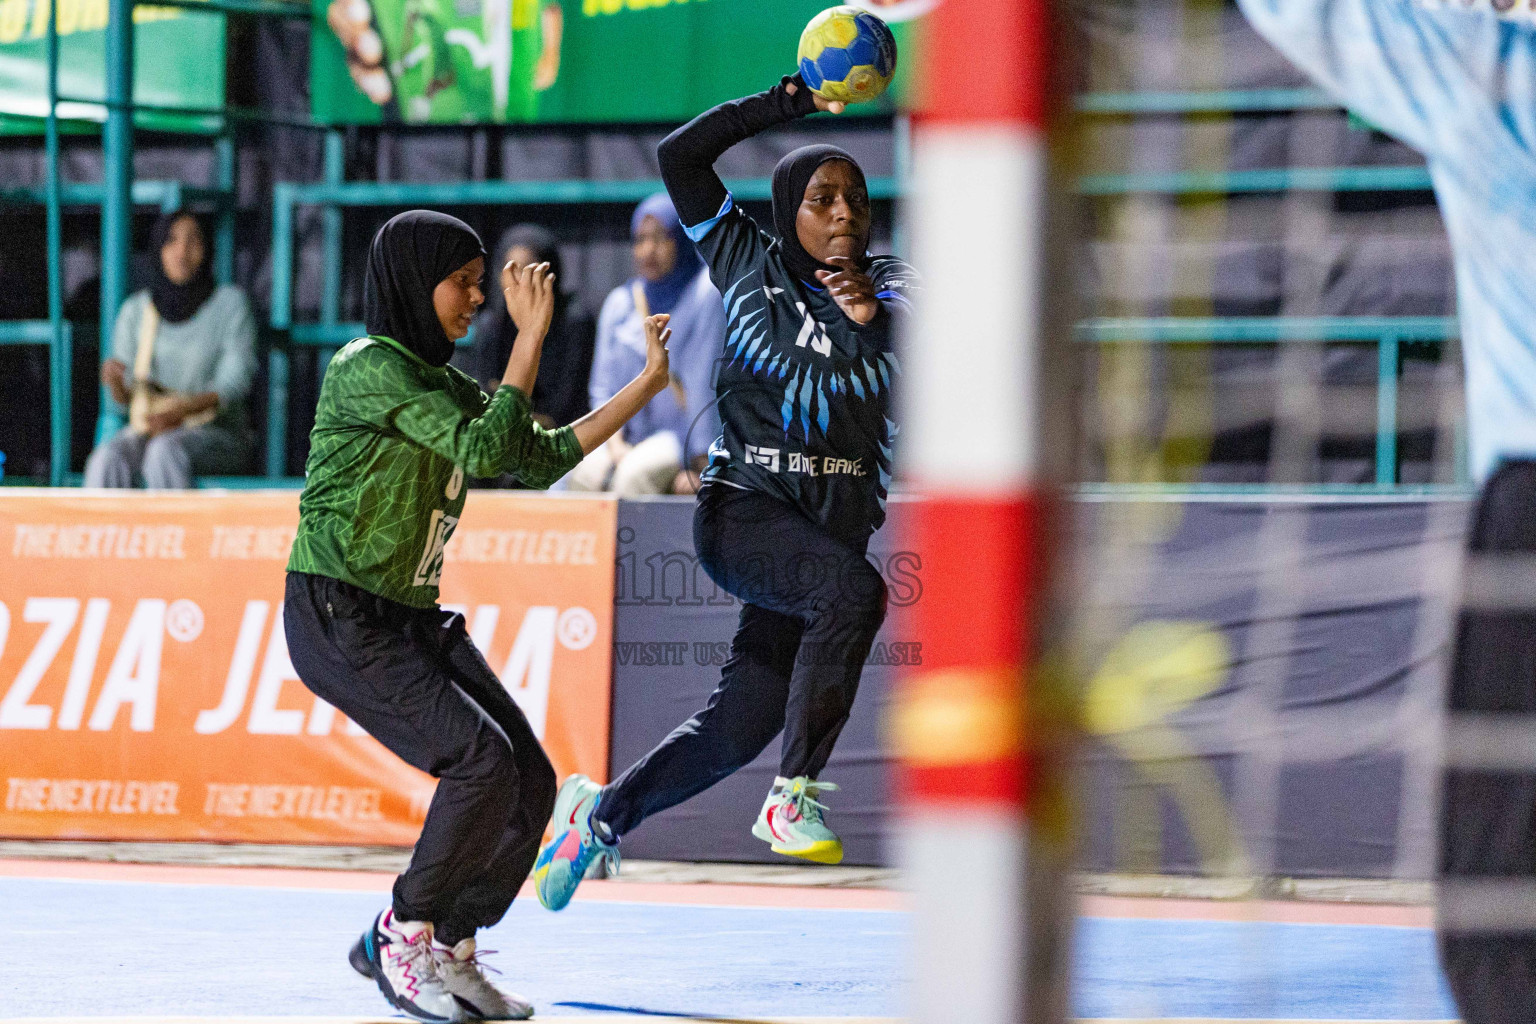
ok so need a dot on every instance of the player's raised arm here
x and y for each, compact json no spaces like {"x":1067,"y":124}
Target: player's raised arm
{"x":1413,"y":72}
{"x":799,"y":470}
{"x":530,"y":295}
{"x":688,"y":155}
{"x":597,"y":426}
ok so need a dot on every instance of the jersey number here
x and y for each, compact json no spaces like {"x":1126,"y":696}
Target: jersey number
{"x":813,"y":333}
{"x":430,"y":569}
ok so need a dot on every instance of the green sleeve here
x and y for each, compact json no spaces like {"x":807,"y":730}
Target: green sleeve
{"x":487,"y":438}
{"x":539,"y":456}
{"x":503,"y":438}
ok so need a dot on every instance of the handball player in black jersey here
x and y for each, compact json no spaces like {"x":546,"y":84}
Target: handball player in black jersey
{"x":794,"y":487}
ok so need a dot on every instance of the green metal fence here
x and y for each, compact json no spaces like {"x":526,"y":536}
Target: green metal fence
{"x":1387,"y":333}
{"x":58,"y":337}
{"x":118,"y":194}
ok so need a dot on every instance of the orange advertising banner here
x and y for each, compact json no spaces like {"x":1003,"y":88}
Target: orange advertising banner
{"x":146,"y":690}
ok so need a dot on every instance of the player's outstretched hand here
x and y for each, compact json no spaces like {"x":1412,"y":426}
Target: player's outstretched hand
{"x":658,"y":368}
{"x":829,"y":106}
{"x":851,"y":288}
{"x":530,"y":294}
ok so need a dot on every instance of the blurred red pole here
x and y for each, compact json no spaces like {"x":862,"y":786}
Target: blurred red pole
{"x":973,"y":411}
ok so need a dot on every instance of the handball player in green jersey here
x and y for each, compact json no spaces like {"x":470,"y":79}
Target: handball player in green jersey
{"x":396,"y":434}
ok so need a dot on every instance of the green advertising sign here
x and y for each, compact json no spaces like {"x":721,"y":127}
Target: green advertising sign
{"x":178,"y":62}
{"x":497,"y":61}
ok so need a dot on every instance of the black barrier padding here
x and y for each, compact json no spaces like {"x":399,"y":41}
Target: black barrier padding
{"x":1334,"y":616}
{"x":671,"y":630}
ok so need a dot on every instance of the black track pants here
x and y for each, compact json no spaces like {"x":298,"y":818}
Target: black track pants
{"x":1488,"y":818}
{"x":416,"y":682}
{"x":811,"y":608}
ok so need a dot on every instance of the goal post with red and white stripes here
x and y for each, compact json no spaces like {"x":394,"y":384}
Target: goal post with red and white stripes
{"x":975,"y":426}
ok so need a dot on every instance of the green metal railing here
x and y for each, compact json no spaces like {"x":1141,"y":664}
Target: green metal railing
{"x":1269,"y":179}
{"x":1223,"y":101}
{"x":1387,"y":333}
{"x":335,"y":194}
{"x":56,"y":334}
{"x":118,"y":194}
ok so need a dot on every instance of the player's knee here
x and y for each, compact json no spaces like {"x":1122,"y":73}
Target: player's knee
{"x":489,"y":760}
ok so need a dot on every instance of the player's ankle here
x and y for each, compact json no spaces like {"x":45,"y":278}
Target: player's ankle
{"x":450,"y":937}
{"x":602,"y":832}
{"x":404,"y":924}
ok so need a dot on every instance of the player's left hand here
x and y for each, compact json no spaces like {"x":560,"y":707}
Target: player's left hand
{"x":530,"y":295}
{"x":851,"y":288}
{"x":658,"y":364}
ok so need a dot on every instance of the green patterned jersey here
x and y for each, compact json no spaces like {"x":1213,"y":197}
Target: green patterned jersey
{"x":394,"y":438}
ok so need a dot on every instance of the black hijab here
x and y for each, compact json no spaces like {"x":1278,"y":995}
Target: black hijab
{"x":790,"y":177}
{"x":178,"y":302}
{"x":412,"y":253}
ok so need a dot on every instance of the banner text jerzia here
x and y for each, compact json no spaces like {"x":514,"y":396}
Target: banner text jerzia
{"x":578,"y":61}
{"x":146,"y":690}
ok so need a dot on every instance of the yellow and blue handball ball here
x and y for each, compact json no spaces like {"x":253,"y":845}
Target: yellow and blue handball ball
{"x":847,"y":55}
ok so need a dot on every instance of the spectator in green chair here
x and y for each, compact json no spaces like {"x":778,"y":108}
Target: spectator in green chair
{"x":183,"y":361}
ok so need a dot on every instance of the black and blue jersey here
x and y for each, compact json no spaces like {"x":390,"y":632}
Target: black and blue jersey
{"x":804,"y":391}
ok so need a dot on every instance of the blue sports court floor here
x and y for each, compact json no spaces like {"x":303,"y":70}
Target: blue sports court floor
{"x":103,"y":942}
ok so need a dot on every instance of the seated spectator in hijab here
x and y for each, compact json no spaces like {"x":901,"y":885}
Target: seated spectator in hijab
{"x":662,"y":450}
{"x":560,"y":391}
{"x":183,"y":360}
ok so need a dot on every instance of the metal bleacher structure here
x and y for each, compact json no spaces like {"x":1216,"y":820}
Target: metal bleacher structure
{"x":119,"y":194}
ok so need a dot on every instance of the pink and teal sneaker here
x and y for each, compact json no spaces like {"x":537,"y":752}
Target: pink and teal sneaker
{"x":576,"y":849}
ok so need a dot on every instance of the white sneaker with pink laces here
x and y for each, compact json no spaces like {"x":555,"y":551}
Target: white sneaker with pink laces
{"x":463,"y":975}
{"x":398,"y":956}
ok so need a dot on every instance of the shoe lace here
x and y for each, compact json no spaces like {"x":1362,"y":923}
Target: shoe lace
{"x":804,"y":796}
{"x":419,"y":955}
{"x":599,"y":850}
{"x":445,"y":958}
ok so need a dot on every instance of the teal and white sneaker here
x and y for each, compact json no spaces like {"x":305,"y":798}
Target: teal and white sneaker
{"x":790,"y":821}
{"x":576,"y":850}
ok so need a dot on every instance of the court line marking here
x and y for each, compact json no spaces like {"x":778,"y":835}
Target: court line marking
{"x":723,"y":895}
{"x":1162,"y":908}
{"x":627,"y":1018}
{"x":702,"y":894}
